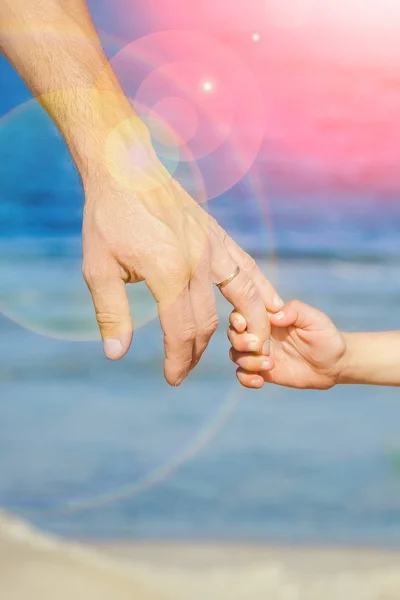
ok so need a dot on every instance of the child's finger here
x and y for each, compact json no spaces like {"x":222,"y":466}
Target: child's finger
{"x":299,"y":315}
{"x":250,"y":380}
{"x":237,"y":321}
{"x":251,"y":362}
{"x":247,"y":342}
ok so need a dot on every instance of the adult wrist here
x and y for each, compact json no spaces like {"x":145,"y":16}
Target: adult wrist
{"x":106,"y":135}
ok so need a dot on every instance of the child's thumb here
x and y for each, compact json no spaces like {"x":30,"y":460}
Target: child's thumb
{"x":297,"y":314}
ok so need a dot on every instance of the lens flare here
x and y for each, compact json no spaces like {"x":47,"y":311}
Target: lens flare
{"x":225,"y":120}
{"x":181,"y":117}
{"x":207,"y":86}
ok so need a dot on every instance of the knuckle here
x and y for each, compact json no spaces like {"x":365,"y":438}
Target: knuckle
{"x":187,"y":334}
{"x":108,"y":318}
{"x":172,"y":281}
{"x":178,"y":366}
{"x":174,"y":266}
{"x":248,"y":291}
{"x":95,"y":276}
{"x":209,"y":327}
{"x":185,"y":365}
{"x":88,"y":275}
{"x":178,"y":276}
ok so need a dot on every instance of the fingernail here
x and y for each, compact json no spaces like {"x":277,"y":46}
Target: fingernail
{"x":278,"y":302}
{"x":179,"y":381}
{"x":236,"y":323}
{"x":266,"y":347}
{"x":253,"y":346}
{"x":279,"y":315}
{"x":112,"y":347}
{"x":255,"y":383}
{"x":266,"y":365}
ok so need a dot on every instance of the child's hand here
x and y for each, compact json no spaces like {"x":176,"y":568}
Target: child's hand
{"x":306,"y":350}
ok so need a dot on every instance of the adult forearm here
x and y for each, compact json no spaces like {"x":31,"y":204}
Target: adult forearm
{"x":55,"y":48}
{"x":372,"y":358}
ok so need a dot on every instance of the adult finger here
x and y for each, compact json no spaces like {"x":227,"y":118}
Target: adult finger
{"x":241,"y":292}
{"x":204,"y":308}
{"x":177,"y":322}
{"x":112,"y":313}
{"x":270,"y":297}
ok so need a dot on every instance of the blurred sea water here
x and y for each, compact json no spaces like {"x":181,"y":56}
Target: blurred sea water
{"x":95,"y":449}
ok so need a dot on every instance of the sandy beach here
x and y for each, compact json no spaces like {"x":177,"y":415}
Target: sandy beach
{"x":35,"y":566}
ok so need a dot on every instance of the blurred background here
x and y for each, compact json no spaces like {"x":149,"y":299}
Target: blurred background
{"x":283,"y":118}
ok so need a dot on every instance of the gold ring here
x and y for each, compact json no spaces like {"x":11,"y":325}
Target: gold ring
{"x":229,"y":279}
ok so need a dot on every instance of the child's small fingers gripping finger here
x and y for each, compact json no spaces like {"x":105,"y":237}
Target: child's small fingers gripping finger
{"x":246,"y":342}
{"x":249,"y":380}
{"x":237,"y":321}
{"x":251,"y":362}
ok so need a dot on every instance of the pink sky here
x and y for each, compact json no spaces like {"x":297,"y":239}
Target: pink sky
{"x":356,"y":18}
{"x":329,"y":70}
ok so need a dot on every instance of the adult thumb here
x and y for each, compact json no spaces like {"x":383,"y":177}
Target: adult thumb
{"x":113,"y":315}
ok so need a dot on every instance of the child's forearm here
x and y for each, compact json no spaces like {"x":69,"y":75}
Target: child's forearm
{"x":372,"y":358}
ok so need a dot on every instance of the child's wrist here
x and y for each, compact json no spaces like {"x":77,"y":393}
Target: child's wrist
{"x":345,"y":369}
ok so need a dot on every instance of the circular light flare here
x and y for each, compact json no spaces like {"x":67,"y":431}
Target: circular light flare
{"x":256,"y":37}
{"x":207,"y":86}
{"x":181,"y":116}
{"x":221,"y":88}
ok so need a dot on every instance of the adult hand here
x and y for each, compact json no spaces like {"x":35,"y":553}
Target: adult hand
{"x":140,"y":225}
